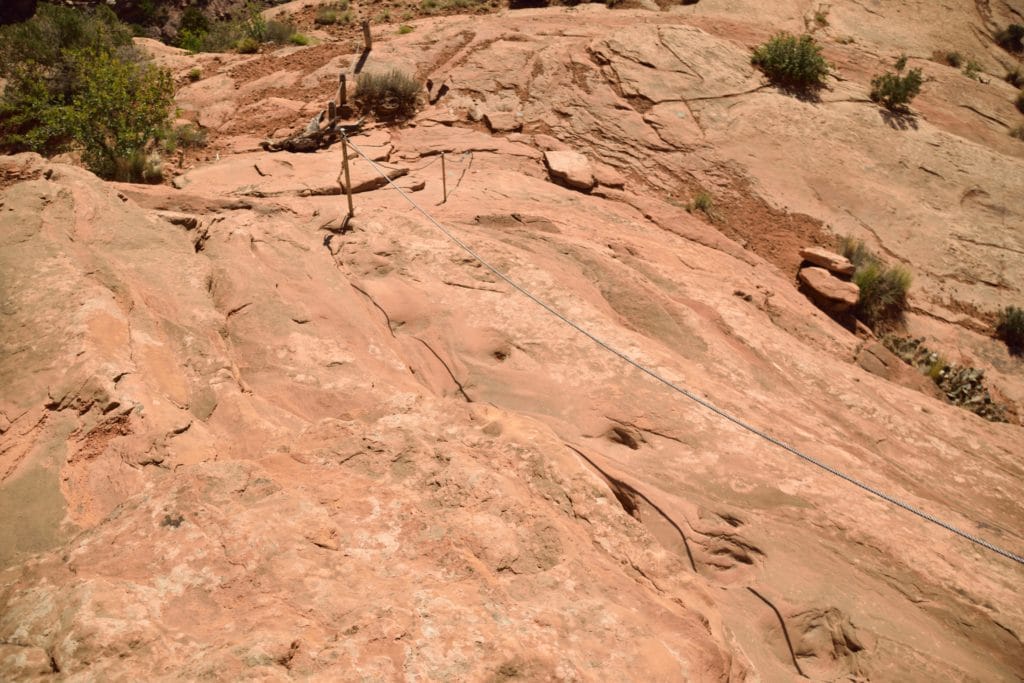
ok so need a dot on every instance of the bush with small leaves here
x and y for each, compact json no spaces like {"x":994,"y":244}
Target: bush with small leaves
{"x":792,"y":62}
{"x":894,"y":90}
{"x":1010,"y":328}
{"x":298,"y":39}
{"x":247,"y":46}
{"x":195,"y":74}
{"x":883,"y":288}
{"x":404,"y":29}
{"x":387,"y":94}
{"x":954,"y":59}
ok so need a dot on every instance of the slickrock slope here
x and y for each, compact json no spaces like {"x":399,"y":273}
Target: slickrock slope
{"x":237,"y":442}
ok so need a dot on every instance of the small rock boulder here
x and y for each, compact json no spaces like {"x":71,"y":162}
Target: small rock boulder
{"x":502,"y":122}
{"x":829,"y":291}
{"x":572,"y":169}
{"x":836,"y":263}
{"x":878,"y":360}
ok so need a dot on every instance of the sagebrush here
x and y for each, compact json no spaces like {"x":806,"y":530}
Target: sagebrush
{"x":387,"y":94}
{"x":792,"y":62}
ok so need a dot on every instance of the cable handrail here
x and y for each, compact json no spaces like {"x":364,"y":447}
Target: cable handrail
{"x":878,"y":493}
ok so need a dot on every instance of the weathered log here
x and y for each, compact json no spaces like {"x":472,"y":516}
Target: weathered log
{"x":314,"y":137}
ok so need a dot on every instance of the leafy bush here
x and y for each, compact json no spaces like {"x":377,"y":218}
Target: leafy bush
{"x":1011,"y":38}
{"x":894,"y":91}
{"x":195,"y":74}
{"x":792,"y":62}
{"x":119,"y":112}
{"x":405,"y":28}
{"x":391,"y":94}
{"x":883,"y":288}
{"x":298,"y":39}
{"x":954,"y":59}
{"x":74,"y":81}
{"x":1010,"y":328}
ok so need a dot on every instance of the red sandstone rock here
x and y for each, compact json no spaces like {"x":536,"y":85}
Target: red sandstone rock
{"x":837,"y":295}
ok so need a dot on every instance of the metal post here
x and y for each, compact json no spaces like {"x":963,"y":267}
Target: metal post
{"x":342,"y":90}
{"x":444,"y":180}
{"x":367,"y":39}
{"x":348,"y":178}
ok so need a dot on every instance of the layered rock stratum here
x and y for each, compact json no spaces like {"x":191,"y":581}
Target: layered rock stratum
{"x":242,"y":439}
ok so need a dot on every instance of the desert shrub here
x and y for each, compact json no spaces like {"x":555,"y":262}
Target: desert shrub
{"x":188,"y":136}
{"x":883,"y":288}
{"x":954,"y":59}
{"x":1010,"y":328}
{"x":278,"y":31}
{"x":972,"y":69}
{"x":247,"y":46}
{"x":895,"y":90}
{"x":118,"y":113}
{"x":792,"y":62}
{"x":405,"y":28}
{"x":702,"y":202}
{"x":1011,"y":38}
{"x":299,"y":39}
{"x":1014,"y":77}
{"x":387,"y":94}
{"x":338,"y":13}
{"x":195,"y":74}
{"x":74,"y":81}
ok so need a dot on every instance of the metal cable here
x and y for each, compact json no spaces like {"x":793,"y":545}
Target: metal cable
{"x":693,"y":397}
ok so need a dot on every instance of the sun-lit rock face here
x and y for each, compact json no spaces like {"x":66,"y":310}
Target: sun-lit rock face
{"x":242,"y":437}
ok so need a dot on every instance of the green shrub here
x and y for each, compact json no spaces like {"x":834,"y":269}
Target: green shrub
{"x":247,"y":46}
{"x":298,"y":39}
{"x":702,"y":202}
{"x":384,"y":17}
{"x":339,"y":13}
{"x":894,"y":91}
{"x":883,"y":288}
{"x":972,"y":69}
{"x":792,"y":62}
{"x":954,"y":59}
{"x":405,"y":28}
{"x":1011,"y":38}
{"x":74,"y":81}
{"x":1010,"y":328}
{"x":391,"y":94}
{"x":188,"y":136}
{"x":118,"y":113}
{"x":279,"y":32}
{"x":195,"y":74}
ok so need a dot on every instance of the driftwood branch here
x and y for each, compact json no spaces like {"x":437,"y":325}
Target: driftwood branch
{"x":316,"y":135}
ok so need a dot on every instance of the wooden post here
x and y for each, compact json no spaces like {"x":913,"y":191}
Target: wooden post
{"x":444,"y":180}
{"x":367,"y":39}
{"x":332,"y":112}
{"x":342,"y":90}
{"x":348,"y":178}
